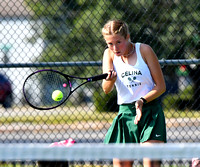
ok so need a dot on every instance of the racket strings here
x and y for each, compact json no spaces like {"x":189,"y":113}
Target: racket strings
{"x":40,"y":86}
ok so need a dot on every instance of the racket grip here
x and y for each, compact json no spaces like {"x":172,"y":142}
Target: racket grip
{"x":98,"y":77}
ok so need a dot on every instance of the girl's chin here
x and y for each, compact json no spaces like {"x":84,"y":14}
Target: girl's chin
{"x":118,"y":54}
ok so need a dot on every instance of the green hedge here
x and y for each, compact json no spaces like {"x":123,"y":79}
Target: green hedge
{"x":106,"y":102}
{"x":182,"y":100}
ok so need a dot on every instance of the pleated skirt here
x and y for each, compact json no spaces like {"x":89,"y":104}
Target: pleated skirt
{"x":152,"y":125}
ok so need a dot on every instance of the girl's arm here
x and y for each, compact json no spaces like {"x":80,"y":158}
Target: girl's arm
{"x":108,"y":83}
{"x":152,"y":61}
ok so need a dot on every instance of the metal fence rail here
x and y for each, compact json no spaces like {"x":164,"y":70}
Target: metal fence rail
{"x":90,"y":63}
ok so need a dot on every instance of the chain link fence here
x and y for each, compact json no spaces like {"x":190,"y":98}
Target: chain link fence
{"x":66,"y":36}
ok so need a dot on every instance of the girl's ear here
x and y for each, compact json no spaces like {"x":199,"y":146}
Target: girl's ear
{"x":128,"y":37}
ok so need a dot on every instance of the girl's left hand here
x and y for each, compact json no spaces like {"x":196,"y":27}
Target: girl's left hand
{"x":138,"y":106}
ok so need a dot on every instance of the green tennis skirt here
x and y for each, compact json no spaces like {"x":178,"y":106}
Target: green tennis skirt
{"x":152,"y":125}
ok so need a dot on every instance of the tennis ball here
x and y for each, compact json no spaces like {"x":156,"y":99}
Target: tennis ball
{"x":57,"y":95}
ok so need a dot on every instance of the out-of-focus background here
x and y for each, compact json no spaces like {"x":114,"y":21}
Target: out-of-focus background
{"x":36,"y":32}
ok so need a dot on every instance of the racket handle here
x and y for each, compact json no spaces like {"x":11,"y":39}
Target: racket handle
{"x":98,"y":77}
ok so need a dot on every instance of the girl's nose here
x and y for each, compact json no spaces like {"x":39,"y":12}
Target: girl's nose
{"x":114,"y":47}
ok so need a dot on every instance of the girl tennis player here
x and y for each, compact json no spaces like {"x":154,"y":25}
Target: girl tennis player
{"x":135,"y":71}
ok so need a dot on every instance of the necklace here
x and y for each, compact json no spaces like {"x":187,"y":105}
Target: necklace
{"x":130,"y":52}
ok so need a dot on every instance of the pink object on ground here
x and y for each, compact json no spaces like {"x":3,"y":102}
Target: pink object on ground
{"x":195,"y":162}
{"x":64,"y":143}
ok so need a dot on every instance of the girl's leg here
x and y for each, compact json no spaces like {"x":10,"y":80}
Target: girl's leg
{"x":147,"y":162}
{"x":120,"y":163}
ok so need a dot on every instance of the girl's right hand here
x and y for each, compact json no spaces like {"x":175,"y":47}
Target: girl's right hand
{"x":111,"y":75}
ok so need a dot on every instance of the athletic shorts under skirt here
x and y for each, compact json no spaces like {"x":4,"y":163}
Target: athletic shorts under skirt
{"x":151,"y":126}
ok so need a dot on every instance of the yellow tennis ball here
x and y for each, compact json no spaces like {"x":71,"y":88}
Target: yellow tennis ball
{"x":57,"y":95}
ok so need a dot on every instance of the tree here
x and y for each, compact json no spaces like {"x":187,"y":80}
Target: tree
{"x":73,"y":27}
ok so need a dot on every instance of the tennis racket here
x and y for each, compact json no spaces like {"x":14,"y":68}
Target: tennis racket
{"x":39,"y":86}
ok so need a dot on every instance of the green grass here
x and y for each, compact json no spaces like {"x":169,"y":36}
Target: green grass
{"x":56,"y":117}
{"x":75,"y":116}
{"x":181,"y":113}
{"x":16,"y":165}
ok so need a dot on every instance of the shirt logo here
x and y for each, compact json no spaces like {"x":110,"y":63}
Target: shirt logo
{"x":131,"y":79}
{"x":128,"y":73}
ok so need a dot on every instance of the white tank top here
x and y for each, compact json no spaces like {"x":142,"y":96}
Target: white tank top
{"x":133,"y":82}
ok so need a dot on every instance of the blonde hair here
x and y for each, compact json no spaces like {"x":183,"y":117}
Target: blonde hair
{"x":113,"y":27}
